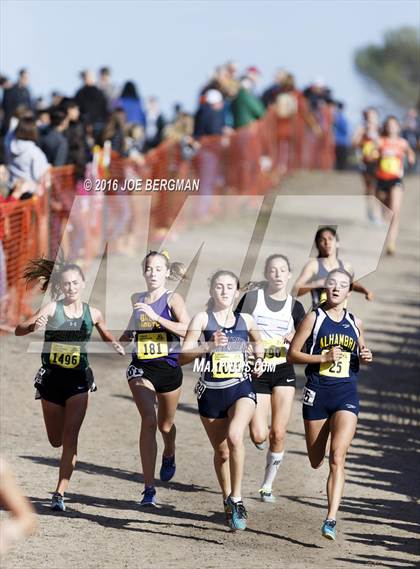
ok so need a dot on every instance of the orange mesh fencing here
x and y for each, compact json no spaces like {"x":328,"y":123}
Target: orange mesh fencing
{"x":248,"y":161}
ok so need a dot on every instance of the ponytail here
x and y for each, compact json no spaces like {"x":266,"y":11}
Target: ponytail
{"x":49,"y":274}
{"x":177,"y":270}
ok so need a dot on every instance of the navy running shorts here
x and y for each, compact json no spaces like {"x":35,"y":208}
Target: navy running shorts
{"x":162,"y":376}
{"x":322,"y":401}
{"x":283,"y":376}
{"x":58,"y":385}
{"x":387,"y":185}
{"x":215,"y":403}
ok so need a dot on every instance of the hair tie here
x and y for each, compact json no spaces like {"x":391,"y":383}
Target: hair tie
{"x":165,"y":254}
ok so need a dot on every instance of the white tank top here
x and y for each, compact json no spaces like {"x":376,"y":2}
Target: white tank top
{"x":273,"y":326}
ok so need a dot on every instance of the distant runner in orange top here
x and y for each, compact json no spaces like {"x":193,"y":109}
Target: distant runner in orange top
{"x":391,"y":151}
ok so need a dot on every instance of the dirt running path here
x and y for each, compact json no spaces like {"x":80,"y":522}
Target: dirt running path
{"x":103,"y":526}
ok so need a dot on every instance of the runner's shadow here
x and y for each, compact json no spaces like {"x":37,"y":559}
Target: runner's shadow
{"x":128,"y":524}
{"x":114,"y":472}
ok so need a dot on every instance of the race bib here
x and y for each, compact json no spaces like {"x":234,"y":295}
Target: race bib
{"x":65,"y":355}
{"x":227,"y":365}
{"x":338,"y":369}
{"x":152,"y":346}
{"x":274,"y":351}
{"x":368,"y":150}
{"x":308,"y":396}
{"x":391,"y":165}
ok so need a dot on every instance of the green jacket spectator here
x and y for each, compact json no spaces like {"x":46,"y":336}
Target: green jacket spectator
{"x":246,"y":107}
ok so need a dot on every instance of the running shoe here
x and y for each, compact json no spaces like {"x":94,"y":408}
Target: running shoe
{"x":149,"y":496}
{"x":228,"y":511}
{"x":329,"y":530}
{"x":238,"y":514}
{"x":261,"y":446}
{"x":168,"y":468}
{"x":266,"y":495}
{"x":57,"y":502}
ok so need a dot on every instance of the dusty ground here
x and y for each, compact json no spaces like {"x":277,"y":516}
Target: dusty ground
{"x":103,"y":526}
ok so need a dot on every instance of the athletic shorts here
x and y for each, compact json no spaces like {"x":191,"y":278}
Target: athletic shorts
{"x":387,"y":185}
{"x":164,"y":377}
{"x":283,"y":376}
{"x":215,"y":403}
{"x":58,"y":385}
{"x":322,"y":401}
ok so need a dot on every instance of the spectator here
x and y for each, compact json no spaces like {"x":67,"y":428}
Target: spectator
{"x":43,"y":120}
{"x":135,"y":142}
{"x":106,"y":85}
{"x":5,"y":85}
{"x":341,"y":131}
{"x":411,"y":129}
{"x":78,"y":151}
{"x":16,"y":96}
{"x":114,"y":131}
{"x":270,"y":94}
{"x":53,"y":142}
{"x":92,"y":103}
{"x":317,"y":94}
{"x":20,"y":112}
{"x":26,"y":160}
{"x":246,"y":107}
{"x":254,"y":75}
{"x":56,"y":99}
{"x":132,"y":105}
{"x":155,"y":123}
{"x":210,"y":118}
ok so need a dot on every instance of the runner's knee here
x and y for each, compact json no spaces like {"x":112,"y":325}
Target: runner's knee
{"x":149,"y":422}
{"x":258,"y":434}
{"x":55,"y":441}
{"x":277,"y":436}
{"x":235,"y":438}
{"x":337,"y":458}
{"x":166,"y":426}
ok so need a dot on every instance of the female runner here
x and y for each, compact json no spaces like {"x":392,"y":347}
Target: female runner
{"x":392,"y":150}
{"x":158,"y":321}
{"x":65,"y":379}
{"x":313,"y":275}
{"x":277,"y":316}
{"x":226,"y":398}
{"x":365,"y":139}
{"x":335,"y":345}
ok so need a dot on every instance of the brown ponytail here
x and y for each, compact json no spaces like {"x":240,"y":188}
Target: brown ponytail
{"x":49,"y":274}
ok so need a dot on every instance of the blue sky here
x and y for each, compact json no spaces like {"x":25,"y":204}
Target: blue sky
{"x":170,"y":47}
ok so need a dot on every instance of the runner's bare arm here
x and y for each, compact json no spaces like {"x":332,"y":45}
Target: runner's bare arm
{"x":295,"y":354}
{"x":411,"y":155}
{"x":37,"y":321}
{"x":357,"y":136}
{"x":104,"y":333}
{"x":254,"y":336}
{"x":357,"y":286}
{"x":177,"y":306}
{"x":190,"y":347}
{"x":365,"y":355}
{"x":301,"y":285}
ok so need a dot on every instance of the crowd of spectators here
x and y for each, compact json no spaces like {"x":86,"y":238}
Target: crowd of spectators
{"x":36,"y":134}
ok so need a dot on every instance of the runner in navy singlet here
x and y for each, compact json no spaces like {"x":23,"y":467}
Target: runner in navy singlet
{"x":335,"y":344}
{"x":226,"y":398}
